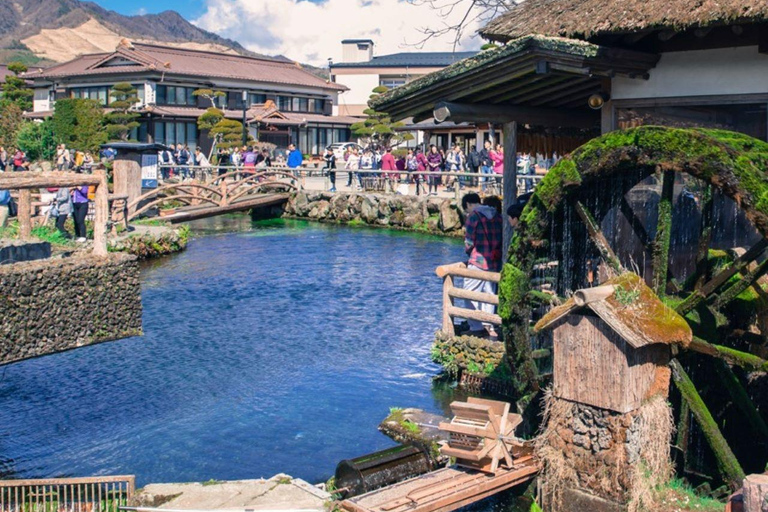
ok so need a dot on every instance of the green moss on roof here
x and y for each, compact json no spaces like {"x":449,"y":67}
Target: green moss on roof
{"x":571,"y":46}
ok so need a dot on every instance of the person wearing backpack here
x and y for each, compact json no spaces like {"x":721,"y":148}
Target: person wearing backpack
{"x":483,"y":232}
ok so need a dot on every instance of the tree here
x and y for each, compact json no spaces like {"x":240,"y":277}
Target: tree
{"x":121,"y":121}
{"x":36,"y":140}
{"x":15,"y":88}
{"x":378,"y":128}
{"x":209,"y":94}
{"x":460,"y":15}
{"x":11,"y":117}
{"x":228,"y":134}
{"x":79,"y":123}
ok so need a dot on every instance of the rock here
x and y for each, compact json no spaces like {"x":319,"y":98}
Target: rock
{"x":301,"y":204}
{"x":320,"y":210}
{"x":449,"y":217}
{"x":369,"y":209}
{"x":411,"y":220}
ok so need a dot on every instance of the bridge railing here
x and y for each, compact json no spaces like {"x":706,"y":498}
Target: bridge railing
{"x":387,"y":180}
{"x":451,"y":292}
{"x":91,"y":494}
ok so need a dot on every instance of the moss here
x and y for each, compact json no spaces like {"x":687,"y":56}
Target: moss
{"x":513,"y":287}
{"x":727,"y":464}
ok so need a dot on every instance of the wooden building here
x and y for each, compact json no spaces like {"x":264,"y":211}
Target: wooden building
{"x":612,"y":344}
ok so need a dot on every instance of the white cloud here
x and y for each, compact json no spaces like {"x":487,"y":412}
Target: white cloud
{"x":311,"y":32}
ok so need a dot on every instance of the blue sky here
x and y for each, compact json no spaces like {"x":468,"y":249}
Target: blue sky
{"x":190,"y":9}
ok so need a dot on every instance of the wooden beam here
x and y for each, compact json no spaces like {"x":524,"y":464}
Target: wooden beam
{"x":497,"y":95}
{"x":573,"y":83}
{"x":727,"y":463}
{"x":31,"y":180}
{"x":474,"y":314}
{"x":596,"y":234}
{"x":730,"y":355}
{"x":745,"y":282}
{"x":660,"y":252}
{"x":509,"y":183}
{"x":461,"y":293}
{"x":543,"y":81}
{"x":448,"y":328}
{"x":635,"y":223}
{"x":488,"y":113}
{"x":705,"y":237}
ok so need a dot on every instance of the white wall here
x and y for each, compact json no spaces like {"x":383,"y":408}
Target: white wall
{"x":697,"y":73}
{"x":360,"y":88}
{"x":41,"y":101}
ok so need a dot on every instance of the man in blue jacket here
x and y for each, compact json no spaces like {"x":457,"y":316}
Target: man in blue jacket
{"x":295,"y":158}
{"x":5,"y":199}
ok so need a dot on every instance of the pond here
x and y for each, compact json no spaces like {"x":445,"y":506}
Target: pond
{"x":276,"y":349}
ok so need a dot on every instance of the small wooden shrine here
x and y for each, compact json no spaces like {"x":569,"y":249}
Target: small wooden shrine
{"x":612,"y":344}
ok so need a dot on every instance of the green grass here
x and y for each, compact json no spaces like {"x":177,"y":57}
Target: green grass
{"x":678,"y":495}
{"x":151,"y":222}
{"x":52,"y":235}
{"x":212,"y":481}
{"x":356,"y":223}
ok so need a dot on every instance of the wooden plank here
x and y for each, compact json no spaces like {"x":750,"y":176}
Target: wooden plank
{"x":463,"y":271}
{"x":473,"y":411}
{"x":461,"y":293}
{"x":266,"y":200}
{"x":473,"y":314}
{"x":730,"y":355}
{"x":468,"y":430}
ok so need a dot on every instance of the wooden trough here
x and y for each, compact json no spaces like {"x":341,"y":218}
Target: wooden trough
{"x":489,"y":459}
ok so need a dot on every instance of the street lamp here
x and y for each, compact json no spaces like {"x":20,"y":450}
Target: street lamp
{"x":245,"y":109}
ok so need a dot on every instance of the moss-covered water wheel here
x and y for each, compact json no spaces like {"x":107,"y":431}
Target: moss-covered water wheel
{"x":688,"y":211}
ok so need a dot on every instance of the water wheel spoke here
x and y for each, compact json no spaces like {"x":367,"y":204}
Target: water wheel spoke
{"x":597,"y":237}
{"x":705,"y":237}
{"x":660,"y":245}
{"x":742,"y":400}
{"x":737,"y":288}
{"x":727,"y":463}
{"x":722,"y":277}
{"x":635,"y":223}
{"x":729,"y":355}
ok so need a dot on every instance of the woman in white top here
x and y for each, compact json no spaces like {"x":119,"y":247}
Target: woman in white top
{"x":353,"y":164}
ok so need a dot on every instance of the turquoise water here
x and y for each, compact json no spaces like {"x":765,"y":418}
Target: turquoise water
{"x":277,"y":349}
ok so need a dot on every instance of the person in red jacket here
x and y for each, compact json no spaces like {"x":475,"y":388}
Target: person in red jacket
{"x":388,"y":164}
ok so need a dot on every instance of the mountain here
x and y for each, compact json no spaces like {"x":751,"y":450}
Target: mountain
{"x":46,"y":31}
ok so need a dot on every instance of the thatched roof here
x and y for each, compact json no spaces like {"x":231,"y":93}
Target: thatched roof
{"x":630,"y":308}
{"x":587,"y":18}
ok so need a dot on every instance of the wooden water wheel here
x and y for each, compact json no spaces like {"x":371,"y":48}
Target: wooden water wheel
{"x":688,"y":211}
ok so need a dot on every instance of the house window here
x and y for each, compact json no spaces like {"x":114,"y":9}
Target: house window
{"x":318,"y":107}
{"x":100,"y":94}
{"x":257,"y":99}
{"x":300,"y":104}
{"x":284,"y":103}
{"x":391,"y":83}
{"x":176,"y":133}
{"x":175,"y":95}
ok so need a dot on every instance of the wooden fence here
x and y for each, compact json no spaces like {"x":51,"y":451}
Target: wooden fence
{"x":450,"y":292}
{"x":92,"y":494}
{"x":25,"y":182}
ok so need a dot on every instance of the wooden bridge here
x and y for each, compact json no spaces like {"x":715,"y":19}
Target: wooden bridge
{"x":231,"y":192}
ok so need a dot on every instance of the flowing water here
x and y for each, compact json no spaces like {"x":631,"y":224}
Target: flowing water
{"x":278,"y":349}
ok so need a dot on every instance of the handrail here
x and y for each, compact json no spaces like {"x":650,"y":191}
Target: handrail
{"x":447,"y":273}
{"x":88,"y":494}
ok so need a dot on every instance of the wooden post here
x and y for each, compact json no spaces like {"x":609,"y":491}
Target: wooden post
{"x":101,"y":204}
{"x":447,"y":304}
{"x":224,"y":189}
{"x":25,"y":213}
{"x":509,"y":181}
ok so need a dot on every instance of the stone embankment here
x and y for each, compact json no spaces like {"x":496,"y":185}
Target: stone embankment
{"x":413,"y":213}
{"x":62,"y":303}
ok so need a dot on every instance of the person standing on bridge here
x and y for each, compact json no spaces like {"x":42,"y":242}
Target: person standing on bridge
{"x":483,"y":245}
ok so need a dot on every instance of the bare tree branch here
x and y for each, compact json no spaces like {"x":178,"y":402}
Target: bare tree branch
{"x":475,"y":11}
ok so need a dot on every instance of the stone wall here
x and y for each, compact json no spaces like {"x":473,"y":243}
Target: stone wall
{"x":616,"y":458}
{"x":52,"y":305}
{"x":458,"y":354}
{"x":413,"y":213}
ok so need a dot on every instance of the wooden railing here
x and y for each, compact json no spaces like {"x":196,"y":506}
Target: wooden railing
{"x":93,"y":494}
{"x":450,"y":292}
{"x":25,"y":182}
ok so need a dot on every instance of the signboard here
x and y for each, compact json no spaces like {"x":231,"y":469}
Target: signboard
{"x":149,"y":171}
